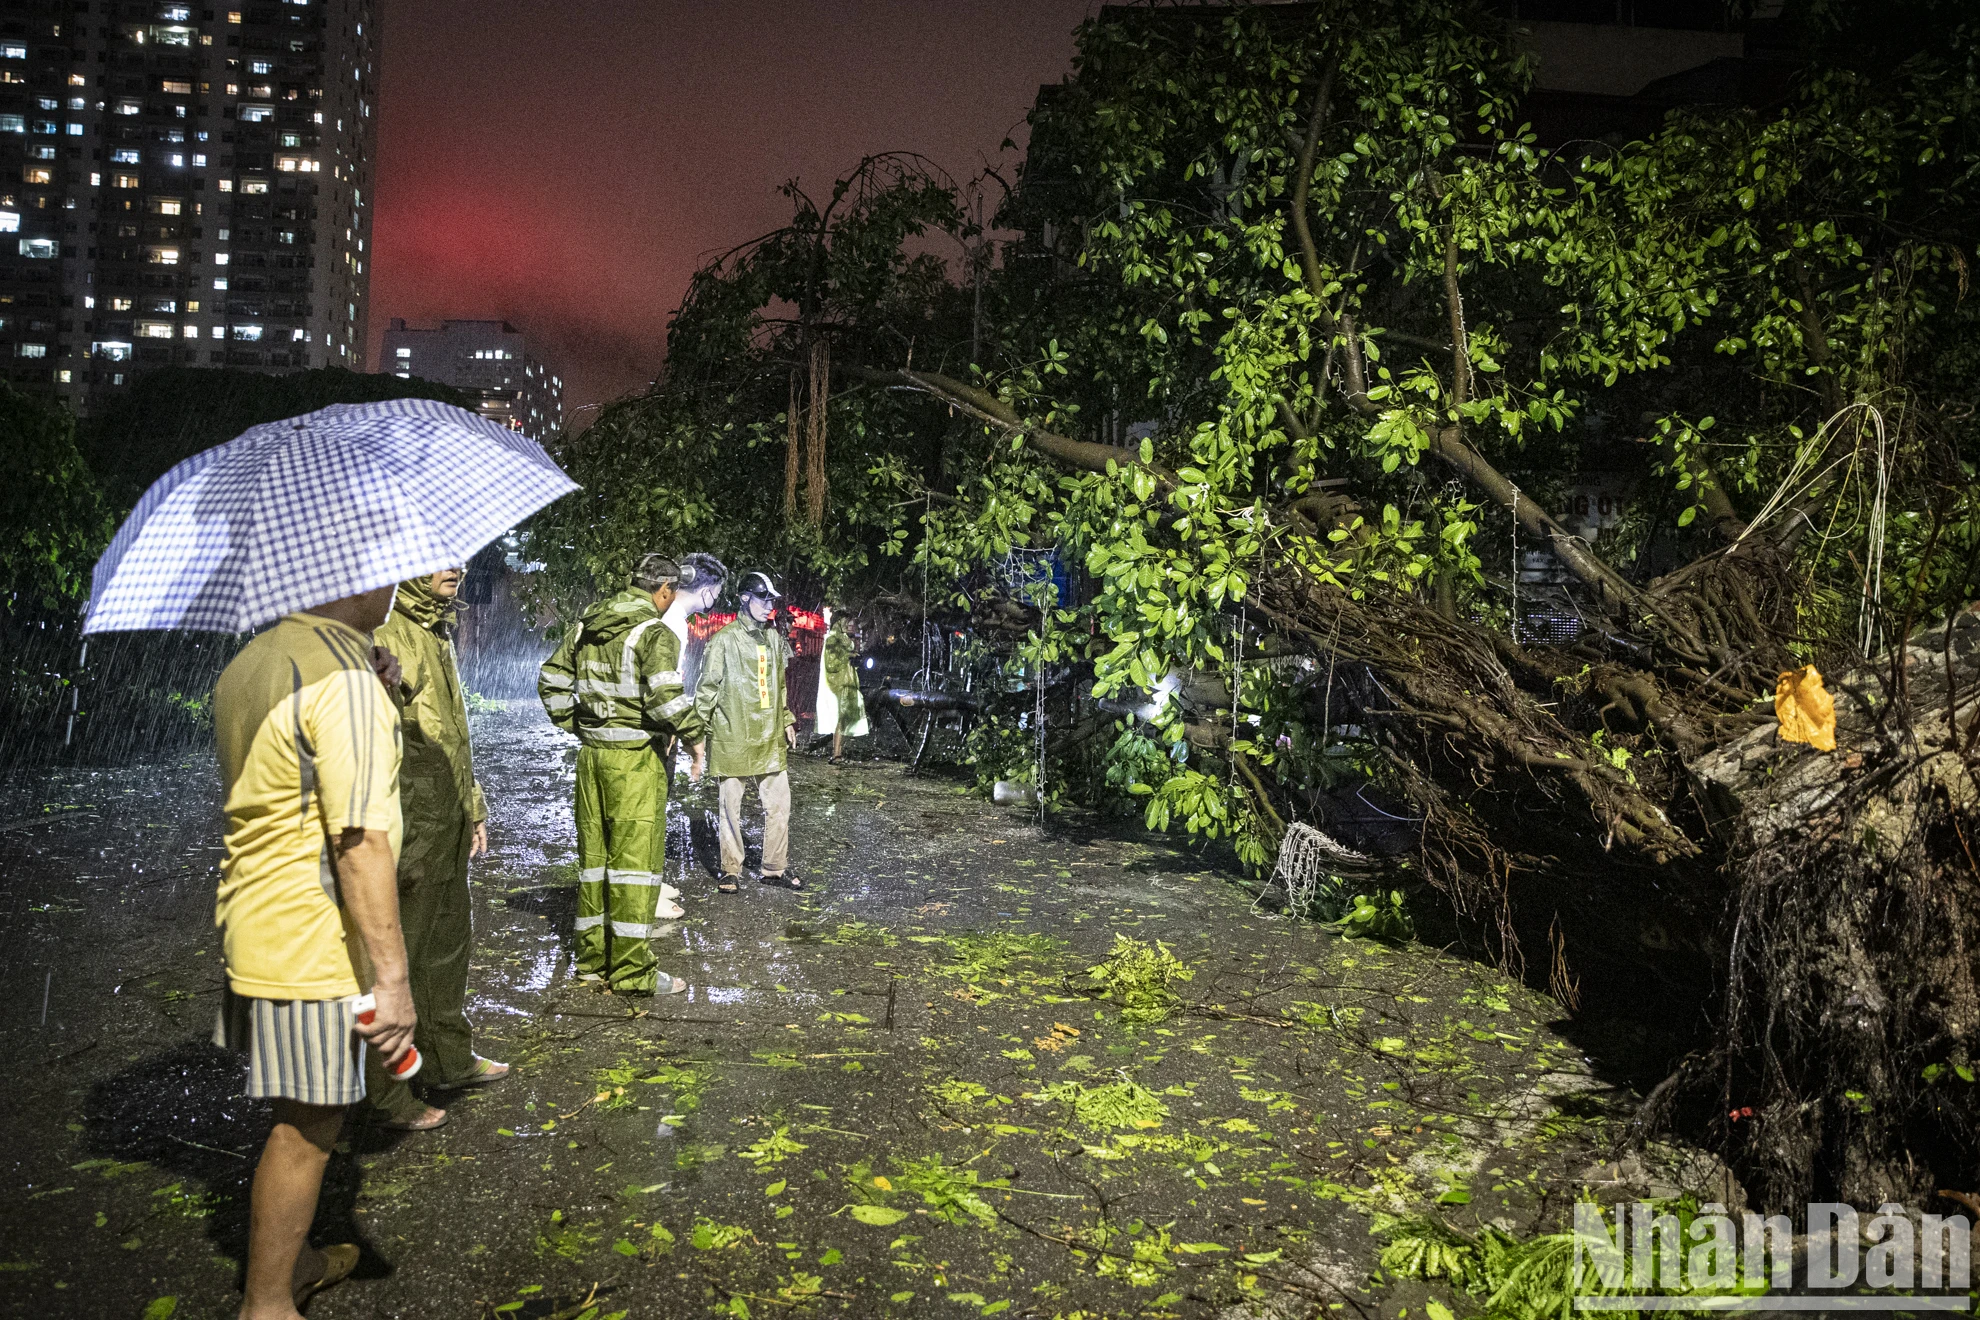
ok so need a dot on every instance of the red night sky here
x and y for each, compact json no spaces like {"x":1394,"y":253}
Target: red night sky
{"x":566,"y":166}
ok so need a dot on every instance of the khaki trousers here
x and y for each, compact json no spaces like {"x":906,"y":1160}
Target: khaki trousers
{"x":774,"y":791}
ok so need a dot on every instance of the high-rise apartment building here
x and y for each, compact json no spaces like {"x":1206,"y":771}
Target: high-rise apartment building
{"x":488,"y":359}
{"x":183,"y":186}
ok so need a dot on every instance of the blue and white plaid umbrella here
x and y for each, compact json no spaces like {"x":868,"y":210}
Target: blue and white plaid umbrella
{"x":313,"y":509}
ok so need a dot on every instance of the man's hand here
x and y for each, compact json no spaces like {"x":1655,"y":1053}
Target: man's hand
{"x":700,"y":765}
{"x":390,"y":1031}
{"x":368,"y":880}
{"x":386,"y":666}
{"x":790,"y":735}
{"x":480,"y":844}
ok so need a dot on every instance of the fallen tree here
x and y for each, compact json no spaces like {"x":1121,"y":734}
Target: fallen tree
{"x":1315,"y":241}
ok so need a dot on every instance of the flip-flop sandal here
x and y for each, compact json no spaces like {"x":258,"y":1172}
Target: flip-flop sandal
{"x":668,"y":911}
{"x":784,"y":881}
{"x":731,"y":884}
{"x":338,"y":1262}
{"x":421,"y":1124}
{"x":486,"y":1073}
{"x":668,"y":893}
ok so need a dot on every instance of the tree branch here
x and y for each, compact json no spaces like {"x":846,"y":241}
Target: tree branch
{"x":987,"y":407}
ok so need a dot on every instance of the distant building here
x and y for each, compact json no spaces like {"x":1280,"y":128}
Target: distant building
{"x":183,"y":186}
{"x":487,"y":359}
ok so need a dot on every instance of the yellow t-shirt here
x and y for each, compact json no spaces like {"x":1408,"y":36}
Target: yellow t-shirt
{"x":309,"y":747}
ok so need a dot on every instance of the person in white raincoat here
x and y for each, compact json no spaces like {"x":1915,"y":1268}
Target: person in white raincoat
{"x":841,"y":707}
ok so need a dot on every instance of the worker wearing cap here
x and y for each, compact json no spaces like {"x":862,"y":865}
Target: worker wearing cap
{"x":616,"y":683}
{"x":739,"y":701}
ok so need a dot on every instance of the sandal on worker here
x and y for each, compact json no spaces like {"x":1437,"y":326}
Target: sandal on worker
{"x":783,"y":880}
{"x":338,"y":1262}
{"x":730,"y":884}
{"x":426,"y":1122}
{"x":486,"y":1071}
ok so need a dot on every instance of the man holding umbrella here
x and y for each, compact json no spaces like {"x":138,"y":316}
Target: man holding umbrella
{"x":307,"y":523}
{"x":616,"y":684}
{"x":740,"y":700}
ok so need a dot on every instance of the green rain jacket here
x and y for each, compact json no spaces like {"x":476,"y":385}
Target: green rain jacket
{"x":842,"y":678}
{"x":616,"y":680}
{"x":740,"y":699}
{"x":436,"y":778}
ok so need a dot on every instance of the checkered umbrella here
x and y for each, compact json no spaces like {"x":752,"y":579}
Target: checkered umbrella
{"x":313,"y":509}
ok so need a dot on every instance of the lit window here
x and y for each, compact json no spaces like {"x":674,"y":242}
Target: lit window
{"x":13,"y":124}
{"x":75,"y":130}
{"x":78,"y":80}
{"x":260,"y":66}
{"x":226,"y":185}
{"x":175,"y":87}
{"x":78,"y":103}
{"x":292,"y":139}
{"x":40,"y":247}
{"x":37,"y":174}
{"x":192,"y":304}
{"x":233,"y":89}
{"x":199,"y":161}
{"x":41,"y":153}
{"x":192,"y":331}
{"x":10,"y":51}
{"x":162,"y":256}
{"x":176,"y":14}
{"x":48,"y":103}
{"x":113,"y":349}
{"x":128,"y":107}
{"x":95,"y":179}
{"x":154,"y":329}
{"x":233,"y":15}
{"x":125,"y":156}
{"x":219,"y":332}
{"x":63,"y":375}
{"x":254,"y":186}
{"x":219,"y":258}
{"x":247,"y":332}
{"x":89,"y":302}
{"x":34,"y":350}
{"x":256,"y":114}
{"x":123,"y":181}
{"x":120,"y":304}
{"x":404,"y":353}
{"x":220,"y":284}
{"x":45,"y":126}
{"x":297,"y":335}
{"x":168,"y":206}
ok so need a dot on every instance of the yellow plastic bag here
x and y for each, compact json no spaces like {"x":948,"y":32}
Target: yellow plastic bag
{"x":1805,"y":709}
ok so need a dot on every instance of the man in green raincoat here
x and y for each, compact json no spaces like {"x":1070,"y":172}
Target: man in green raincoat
{"x":739,"y":700}
{"x":445,"y":824}
{"x":616,"y":684}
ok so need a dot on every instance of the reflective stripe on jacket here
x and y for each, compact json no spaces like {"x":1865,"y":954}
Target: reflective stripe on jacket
{"x":616,"y":680}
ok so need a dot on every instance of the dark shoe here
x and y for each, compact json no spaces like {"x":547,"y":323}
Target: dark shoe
{"x":729,"y":884}
{"x":784,"y":880}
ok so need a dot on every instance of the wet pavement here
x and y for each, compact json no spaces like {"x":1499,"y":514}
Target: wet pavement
{"x":904,"y":1092}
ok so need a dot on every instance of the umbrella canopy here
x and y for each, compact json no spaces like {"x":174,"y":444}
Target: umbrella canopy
{"x":315,"y":508}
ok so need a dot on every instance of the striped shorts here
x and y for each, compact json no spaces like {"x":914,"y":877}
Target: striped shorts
{"x":298,"y":1049}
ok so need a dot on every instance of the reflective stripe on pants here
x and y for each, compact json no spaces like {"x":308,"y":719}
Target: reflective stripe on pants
{"x":622,"y":839}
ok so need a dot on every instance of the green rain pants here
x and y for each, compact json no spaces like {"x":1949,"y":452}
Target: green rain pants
{"x":622,"y":841}
{"x":436,"y":915}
